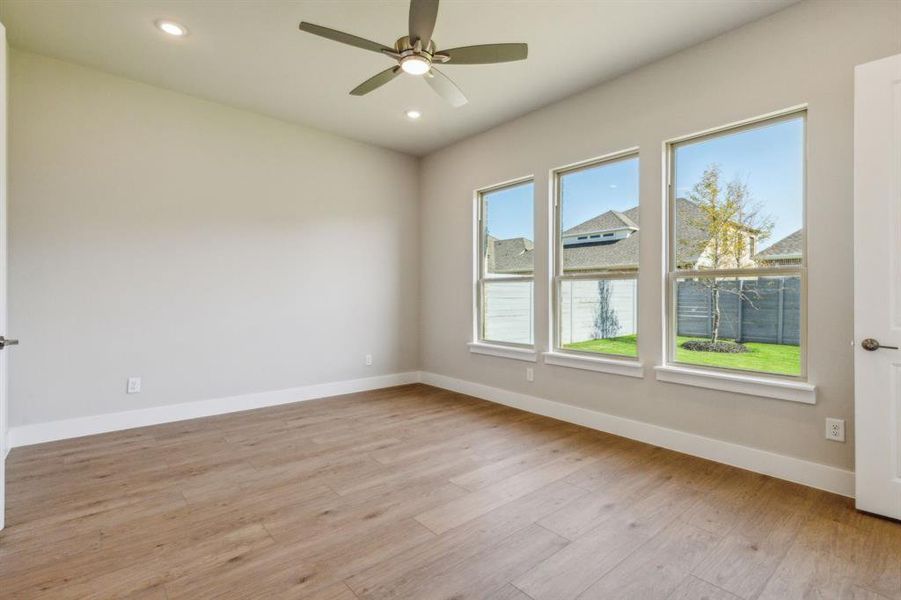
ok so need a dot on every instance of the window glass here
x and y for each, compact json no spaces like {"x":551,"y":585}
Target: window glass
{"x":597,"y":258}
{"x":759,"y":323}
{"x":739,"y":198}
{"x":599,"y":315}
{"x":508,"y":219}
{"x":508,"y":312}
{"x":506,"y":234}
{"x":737,"y":248}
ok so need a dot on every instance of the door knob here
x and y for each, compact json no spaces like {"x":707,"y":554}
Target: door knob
{"x":4,"y":342}
{"x":871,"y":345}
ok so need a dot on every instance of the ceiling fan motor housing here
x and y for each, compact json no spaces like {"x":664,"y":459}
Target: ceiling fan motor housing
{"x":404,"y":47}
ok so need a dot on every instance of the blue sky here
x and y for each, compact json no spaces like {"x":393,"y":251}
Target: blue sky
{"x":509,"y":212}
{"x":589,"y":192}
{"x":770,"y":159}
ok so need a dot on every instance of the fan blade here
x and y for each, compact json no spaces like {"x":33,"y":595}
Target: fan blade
{"x":375,"y":82}
{"x":486,"y":54}
{"x":423,"y":14}
{"x":446,"y":88}
{"x":344,"y":38}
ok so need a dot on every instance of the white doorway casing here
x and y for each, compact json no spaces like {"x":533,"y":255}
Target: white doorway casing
{"x":4,"y":437}
{"x":877,"y":285}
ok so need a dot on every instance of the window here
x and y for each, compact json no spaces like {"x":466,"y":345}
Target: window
{"x":596,"y":258}
{"x":505,"y":287}
{"x":736,"y":274}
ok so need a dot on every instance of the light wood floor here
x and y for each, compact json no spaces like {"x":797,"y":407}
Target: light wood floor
{"x":419,"y":493}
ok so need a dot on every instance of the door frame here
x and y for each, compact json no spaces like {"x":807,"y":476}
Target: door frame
{"x":877,"y":238}
{"x":4,"y":421}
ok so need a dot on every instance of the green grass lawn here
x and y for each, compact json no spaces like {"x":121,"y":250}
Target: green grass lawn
{"x":624,"y":345}
{"x":771,"y":358}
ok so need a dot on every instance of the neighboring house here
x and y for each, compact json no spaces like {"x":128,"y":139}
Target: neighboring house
{"x":610,"y":241}
{"x":785,"y":252}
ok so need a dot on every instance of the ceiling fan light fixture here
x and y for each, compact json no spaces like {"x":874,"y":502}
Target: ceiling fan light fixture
{"x":172,"y":28}
{"x":415,"y":65}
{"x":416,"y":52}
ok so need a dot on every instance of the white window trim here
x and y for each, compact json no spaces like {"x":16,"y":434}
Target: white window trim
{"x":757,"y":383}
{"x":480,"y":345}
{"x":727,"y":381}
{"x":600,"y":364}
{"x":526,"y":354}
{"x":629,"y":366}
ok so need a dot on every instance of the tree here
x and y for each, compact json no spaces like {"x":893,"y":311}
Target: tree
{"x":729,"y":225}
{"x":606,"y":323}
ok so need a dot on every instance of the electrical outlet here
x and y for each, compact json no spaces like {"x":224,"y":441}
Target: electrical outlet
{"x":530,"y":374}
{"x":134,"y":385}
{"x":368,"y":360}
{"x":835,"y":430}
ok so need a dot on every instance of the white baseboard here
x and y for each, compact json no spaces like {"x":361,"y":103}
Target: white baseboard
{"x":816,"y":475}
{"x":26,"y":435}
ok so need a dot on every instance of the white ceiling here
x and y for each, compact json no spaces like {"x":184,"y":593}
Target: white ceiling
{"x":251,"y":54}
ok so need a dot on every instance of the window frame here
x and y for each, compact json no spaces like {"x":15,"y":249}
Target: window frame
{"x":480,"y":269}
{"x":558,"y":275}
{"x":671,"y":274}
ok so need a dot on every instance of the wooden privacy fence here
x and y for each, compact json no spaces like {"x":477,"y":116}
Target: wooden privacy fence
{"x":767,"y":309}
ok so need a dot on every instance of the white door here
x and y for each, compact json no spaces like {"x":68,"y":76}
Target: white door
{"x":877,"y":285}
{"x":3,"y":129}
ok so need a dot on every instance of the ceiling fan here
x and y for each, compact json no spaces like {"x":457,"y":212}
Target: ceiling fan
{"x":417,"y":54}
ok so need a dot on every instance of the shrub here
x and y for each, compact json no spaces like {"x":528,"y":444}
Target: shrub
{"x":708,"y":346}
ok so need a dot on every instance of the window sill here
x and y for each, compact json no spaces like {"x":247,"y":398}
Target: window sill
{"x":794,"y":391}
{"x":503,"y":351}
{"x":626,"y":367}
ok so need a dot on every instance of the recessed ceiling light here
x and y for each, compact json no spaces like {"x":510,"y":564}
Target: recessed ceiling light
{"x":413,"y":114}
{"x":172,"y":28}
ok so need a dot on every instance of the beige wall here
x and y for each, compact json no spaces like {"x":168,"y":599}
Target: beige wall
{"x":211,"y":251}
{"x":804,"y":54}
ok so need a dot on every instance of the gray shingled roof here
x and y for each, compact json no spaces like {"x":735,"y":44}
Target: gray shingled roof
{"x":787,"y":247}
{"x":621,"y":253}
{"x":516,"y":255}
{"x":607,"y":221}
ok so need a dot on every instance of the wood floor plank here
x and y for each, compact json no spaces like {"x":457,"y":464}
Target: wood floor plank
{"x":570,"y":572}
{"x":656,"y":569}
{"x":295,"y":570}
{"x":483,"y":574}
{"x":693,"y":588}
{"x":726,"y":500}
{"x":417,"y":566}
{"x":830,"y":559}
{"x":307,"y":525}
{"x":415,"y":492}
{"x":338,"y":591}
{"x":475,"y":504}
{"x":747,"y":556}
{"x":510,"y":592}
{"x":590,"y":510}
{"x":498,"y":470}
